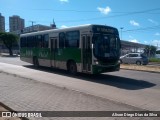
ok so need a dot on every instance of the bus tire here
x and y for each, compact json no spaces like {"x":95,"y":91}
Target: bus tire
{"x":72,"y":68}
{"x":121,"y":62}
{"x":35,"y":62}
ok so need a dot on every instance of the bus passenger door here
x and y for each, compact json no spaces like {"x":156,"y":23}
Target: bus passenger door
{"x":54,"y":50}
{"x":86,"y":53}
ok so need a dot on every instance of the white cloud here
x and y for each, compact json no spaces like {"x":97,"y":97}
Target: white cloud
{"x":134,"y":23}
{"x":146,"y":42}
{"x":153,"y":22}
{"x":130,"y":36}
{"x":64,"y":26}
{"x":134,"y":40}
{"x":105,"y":11}
{"x":155,"y":43}
{"x":64,"y":1}
{"x":157,"y":34}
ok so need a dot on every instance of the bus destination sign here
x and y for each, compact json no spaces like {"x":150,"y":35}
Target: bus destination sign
{"x":100,"y":29}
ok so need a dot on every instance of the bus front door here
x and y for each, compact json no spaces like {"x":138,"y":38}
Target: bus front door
{"x":54,"y":50}
{"x":86,"y":53}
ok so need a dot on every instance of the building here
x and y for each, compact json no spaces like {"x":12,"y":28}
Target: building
{"x":16,"y":23}
{"x":53,"y":25}
{"x":2,"y":23}
{"x":128,"y":47}
{"x":36,"y":28}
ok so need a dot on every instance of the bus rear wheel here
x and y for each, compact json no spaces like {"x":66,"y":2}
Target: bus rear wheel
{"x":35,"y":62}
{"x":72,"y":68}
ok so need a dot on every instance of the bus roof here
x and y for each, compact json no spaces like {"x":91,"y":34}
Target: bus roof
{"x":65,"y":29}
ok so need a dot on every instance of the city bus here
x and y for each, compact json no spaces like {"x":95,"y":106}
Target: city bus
{"x":90,"y":49}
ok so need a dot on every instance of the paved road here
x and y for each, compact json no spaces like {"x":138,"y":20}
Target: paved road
{"x":16,"y":61}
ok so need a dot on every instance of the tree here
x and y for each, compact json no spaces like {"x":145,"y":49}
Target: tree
{"x":9,"y":40}
{"x":150,"y":51}
{"x":158,"y":52}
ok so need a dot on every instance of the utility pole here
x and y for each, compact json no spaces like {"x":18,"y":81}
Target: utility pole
{"x":150,"y":49}
{"x":121,"y":31}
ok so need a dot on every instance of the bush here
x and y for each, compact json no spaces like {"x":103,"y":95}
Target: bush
{"x":154,"y":59}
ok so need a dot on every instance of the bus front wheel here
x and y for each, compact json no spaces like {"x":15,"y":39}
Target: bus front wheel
{"x":72,"y":68}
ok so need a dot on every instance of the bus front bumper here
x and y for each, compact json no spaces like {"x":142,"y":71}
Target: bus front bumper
{"x":96,"y":69}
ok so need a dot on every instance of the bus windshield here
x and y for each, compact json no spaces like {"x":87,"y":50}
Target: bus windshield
{"x":106,"y":46}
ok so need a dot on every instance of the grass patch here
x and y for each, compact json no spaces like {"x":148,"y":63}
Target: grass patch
{"x":141,"y":67}
{"x":154,"y":60}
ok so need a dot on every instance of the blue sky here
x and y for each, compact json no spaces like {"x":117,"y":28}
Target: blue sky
{"x":140,"y":19}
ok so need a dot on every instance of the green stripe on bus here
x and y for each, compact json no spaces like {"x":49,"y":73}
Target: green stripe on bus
{"x":59,"y":54}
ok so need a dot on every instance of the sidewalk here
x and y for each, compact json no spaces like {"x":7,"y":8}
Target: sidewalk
{"x":23,"y":94}
{"x":7,"y":55}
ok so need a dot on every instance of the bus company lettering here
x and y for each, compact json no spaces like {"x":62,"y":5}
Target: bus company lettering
{"x":29,"y":53}
{"x":106,"y":30}
{"x":43,"y":54}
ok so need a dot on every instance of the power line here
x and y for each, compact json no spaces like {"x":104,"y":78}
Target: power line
{"x":146,"y":28}
{"x":70,"y":10}
{"x":112,"y":16}
{"x":120,"y":14}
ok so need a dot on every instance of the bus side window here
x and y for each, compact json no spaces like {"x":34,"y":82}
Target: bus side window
{"x":23,"y":42}
{"x":39,"y":41}
{"x":46,"y":40}
{"x":88,"y":43}
{"x":62,"y":40}
{"x":32,"y":42}
{"x":36,"y":41}
{"x":27,"y":41}
{"x":72,"y":39}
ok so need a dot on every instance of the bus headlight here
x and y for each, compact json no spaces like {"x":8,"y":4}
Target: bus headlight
{"x":96,"y":62}
{"x":119,"y":61}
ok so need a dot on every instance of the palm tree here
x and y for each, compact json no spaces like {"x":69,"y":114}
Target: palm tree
{"x":150,"y":50}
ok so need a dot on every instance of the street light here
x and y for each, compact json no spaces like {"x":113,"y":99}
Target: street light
{"x":121,"y":32}
{"x":6,"y":30}
{"x":150,"y":49}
